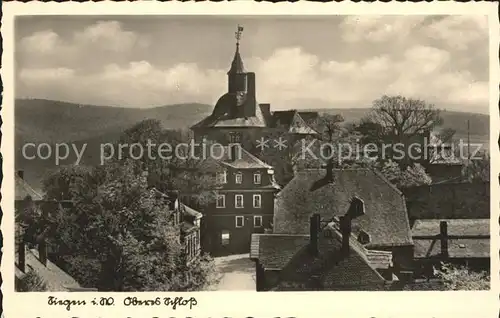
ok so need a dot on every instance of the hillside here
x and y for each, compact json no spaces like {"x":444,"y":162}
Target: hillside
{"x":49,"y":121}
{"x":52,"y":122}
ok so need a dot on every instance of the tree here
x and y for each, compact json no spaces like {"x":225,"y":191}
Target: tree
{"x":410,"y":176}
{"x":462,"y":278}
{"x":31,"y":282}
{"x":400,"y":116}
{"x":170,"y":161}
{"x":397,"y":120}
{"x":478,"y":169}
{"x":123,"y":240}
{"x":117,"y":235}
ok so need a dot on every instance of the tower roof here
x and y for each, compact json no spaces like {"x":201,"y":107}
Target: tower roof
{"x":237,"y":64}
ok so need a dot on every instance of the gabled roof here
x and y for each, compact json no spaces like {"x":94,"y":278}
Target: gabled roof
{"x":292,"y":257}
{"x":292,"y":121}
{"x":310,"y":192}
{"x":467,"y":238}
{"x":274,"y":251}
{"x":23,"y":190}
{"x":55,"y":278}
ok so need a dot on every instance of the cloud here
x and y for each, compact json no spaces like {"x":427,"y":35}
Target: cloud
{"x":43,"y":42}
{"x":459,"y":32}
{"x":103,"y":41}
{"x":378,"y":28}
{"x":94,"y":66}
{"x":138,"y":84}
{"x":111,"y":36}
{"x":288,"y":74}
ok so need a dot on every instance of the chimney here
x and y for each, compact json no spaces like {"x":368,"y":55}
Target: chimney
{"x":266,"y":110}
{"x":234,"y":151}
{"x":234,"y":146}
{"x":345,"y":229}
{"x":314,"y":228}
{"x":443,"y":229}
{"x":42,"y":241}
{"x":20,"y":174}
{"x":329,"y":170}
{"x":251,"y":102}
{"x":42,"y":251}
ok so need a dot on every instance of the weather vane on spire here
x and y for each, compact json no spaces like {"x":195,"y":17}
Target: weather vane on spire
{"x":238,"y":34}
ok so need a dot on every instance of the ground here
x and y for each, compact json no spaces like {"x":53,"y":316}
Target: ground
{"x":238,"y":273}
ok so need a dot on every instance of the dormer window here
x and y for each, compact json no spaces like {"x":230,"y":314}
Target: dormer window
{"x":357,"y":207}
{"x":363,"y":237}
{"x":238,"y":178}
{"x":222,"y":177}
{"x":257,"y":178}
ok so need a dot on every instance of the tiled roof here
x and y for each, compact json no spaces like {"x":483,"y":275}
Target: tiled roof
{"x":274,"y":251}
{"x":457,"y":248}
{"x":309,"y":117}
{"x":244,"y":161}
{"x":309,"y":192}
{"x":292,"y":122}
{"x":23,"y":190}
{"x":228,"y":112}
{"x":467,"y":238}
{"x":55,"y":278}
{"x":458,"y":227}
{"x":338,"y":271}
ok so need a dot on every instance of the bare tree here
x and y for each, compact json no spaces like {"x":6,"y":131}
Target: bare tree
{"x":403,"y":117}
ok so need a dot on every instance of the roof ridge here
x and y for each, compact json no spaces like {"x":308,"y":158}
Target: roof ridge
{"x":381,"y":176}
{"x":256,"y":159}
{"x":29,"y":187}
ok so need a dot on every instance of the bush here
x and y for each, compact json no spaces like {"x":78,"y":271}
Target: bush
{"x":31,"y":282}
{"x":462,"y":278}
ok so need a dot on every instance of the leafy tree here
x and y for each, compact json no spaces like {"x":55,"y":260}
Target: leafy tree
{"x":478,"y":170}
{"x":462,"y":278}
{"x":117,"y":236}
{"x":122,"y":239}
{"x":171,"y":162}
{"x":410,"y":176}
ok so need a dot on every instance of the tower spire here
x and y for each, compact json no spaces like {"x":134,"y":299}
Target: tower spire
{"x":237,"y":64}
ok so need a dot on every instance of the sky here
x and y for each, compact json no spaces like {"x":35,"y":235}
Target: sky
{"x":300,"y":61}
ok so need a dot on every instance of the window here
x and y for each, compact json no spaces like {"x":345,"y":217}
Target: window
{"x":238,"y":178}
{"x":257,"y":221}
{"x":256,"y":178}
{"x":225,"y":236}
{"x":222,"y":177}
{"x":238,"y":201}
{"x":221,"y":201}
{"x":363,"y":237}
{"x":240,"y":221}
{"x":257,"y":201}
